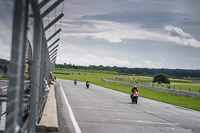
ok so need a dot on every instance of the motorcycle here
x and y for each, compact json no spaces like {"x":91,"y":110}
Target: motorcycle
{"x":134,"y":96}
{"x":87,"y":85}
{"x":75,"y":82}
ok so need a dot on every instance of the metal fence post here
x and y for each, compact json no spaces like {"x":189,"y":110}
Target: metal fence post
{"x":35,"y":84}
{"x":16,"y":80}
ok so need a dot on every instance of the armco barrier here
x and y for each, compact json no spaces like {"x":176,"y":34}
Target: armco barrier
{"x":116,"y":82}
{"x":164,"y":90}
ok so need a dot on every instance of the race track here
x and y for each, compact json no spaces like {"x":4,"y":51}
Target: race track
{"x":101,"y":110}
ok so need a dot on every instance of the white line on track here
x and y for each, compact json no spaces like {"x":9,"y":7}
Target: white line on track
{"x":145,"y":122}
{"x":103,"y":109}
{"x":4,"y":88}
{"x":77,"y":129}
{"x":157,"y":113}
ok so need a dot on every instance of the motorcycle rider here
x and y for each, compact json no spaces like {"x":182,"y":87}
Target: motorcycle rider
{"x":75,"y":81}
{"x":87,"y":84}
{"x":134,"y":89}
{"x":134,"y":94}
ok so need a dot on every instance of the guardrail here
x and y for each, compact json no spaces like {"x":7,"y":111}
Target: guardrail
{"x":116,"y":82}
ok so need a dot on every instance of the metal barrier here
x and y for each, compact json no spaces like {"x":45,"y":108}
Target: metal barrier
{"x":26,"y":20}
{"x":116,"y":82}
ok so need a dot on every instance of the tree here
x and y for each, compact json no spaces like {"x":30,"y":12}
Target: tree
{"x":4,"y":68}
{"x":161,"y":78}
{"x":137,"y":71}
{"x":145,"y":74}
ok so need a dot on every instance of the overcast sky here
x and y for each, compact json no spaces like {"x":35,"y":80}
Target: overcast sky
{"x":131,"y":33}
{"x":124,"y":33}
{"x":127,"y":33}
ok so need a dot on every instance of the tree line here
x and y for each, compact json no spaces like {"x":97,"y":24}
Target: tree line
{"x":4,"y":65}
{"x":138,"y":71}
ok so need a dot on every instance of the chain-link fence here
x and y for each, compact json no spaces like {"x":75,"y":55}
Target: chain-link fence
{"x":6,"y":22}
{"x":28,"y":36}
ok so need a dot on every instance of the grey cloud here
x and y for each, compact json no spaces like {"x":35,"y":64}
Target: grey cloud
{"x":190,"y":22}
{"x":175,"y":31}
{"x":79,"y":27}
{"x":6,"y":9}
{"x":146,"y":18}
{"x":77,"y":23}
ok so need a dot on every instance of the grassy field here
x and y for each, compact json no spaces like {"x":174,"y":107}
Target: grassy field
{"x":95,"y":78}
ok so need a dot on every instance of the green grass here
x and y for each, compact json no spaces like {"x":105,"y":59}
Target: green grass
{"x":179,"y":80}
{"x":3,"y":78}
{"x":95,"y":78}
{"x":185,"y":102}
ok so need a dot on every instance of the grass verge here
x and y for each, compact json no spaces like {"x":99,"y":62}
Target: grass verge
{"x":3,"y":78}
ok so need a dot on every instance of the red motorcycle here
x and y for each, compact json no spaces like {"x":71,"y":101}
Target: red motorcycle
{"x":134,"y":96}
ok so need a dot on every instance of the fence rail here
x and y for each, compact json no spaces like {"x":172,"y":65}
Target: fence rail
{"x":185,"y":87}
{"x":172,"y":91}
{"x":160,"y":89}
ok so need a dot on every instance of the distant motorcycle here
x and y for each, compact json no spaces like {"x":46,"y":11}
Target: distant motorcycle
{"x":87,"y":84}
{"x":75,"y":81}
{"x":134,"y":96}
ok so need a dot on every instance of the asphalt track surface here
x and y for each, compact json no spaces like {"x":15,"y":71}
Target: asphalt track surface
{"x":3,"y":90}
{"x":3,"y":86}
{"x":3,"y":83}
{"x":101,"y":110}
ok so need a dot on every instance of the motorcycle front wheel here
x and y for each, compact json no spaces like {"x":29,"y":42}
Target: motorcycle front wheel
{"x":132,"y":99}
{"x":136,"y":100}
